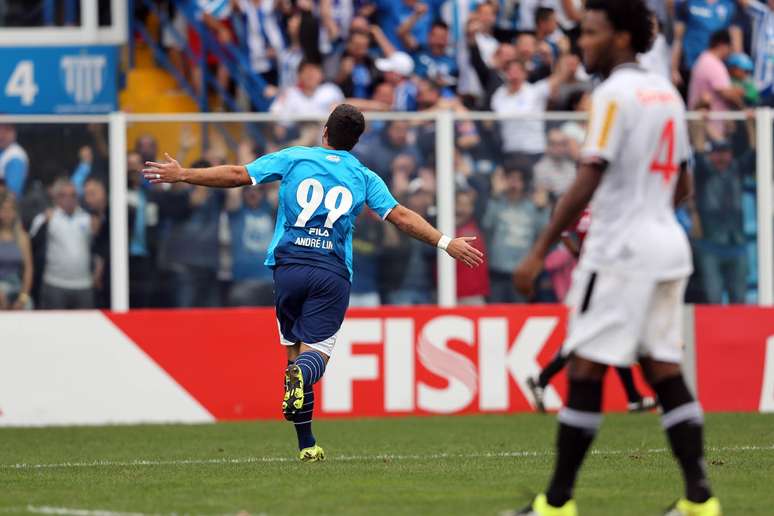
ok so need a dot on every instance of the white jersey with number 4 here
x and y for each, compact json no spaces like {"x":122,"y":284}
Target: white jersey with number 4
{"x":638,"y":128}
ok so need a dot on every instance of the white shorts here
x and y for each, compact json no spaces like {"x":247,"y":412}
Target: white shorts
{"x":616,"y":318}
{"x":325,"y":346}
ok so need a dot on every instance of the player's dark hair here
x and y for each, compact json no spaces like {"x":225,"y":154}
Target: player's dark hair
{"x":345,"y":125}
{"x":543,"y":13}
{"x":632,"y":16}
{"x":721,"y":37}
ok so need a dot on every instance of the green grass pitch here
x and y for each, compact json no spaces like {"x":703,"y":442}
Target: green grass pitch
{"x":434,"y":465}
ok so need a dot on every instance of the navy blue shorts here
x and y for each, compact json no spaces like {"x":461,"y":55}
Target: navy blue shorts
{"x":311,"y":303}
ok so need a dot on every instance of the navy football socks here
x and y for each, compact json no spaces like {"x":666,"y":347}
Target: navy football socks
{"x":312,"y":367}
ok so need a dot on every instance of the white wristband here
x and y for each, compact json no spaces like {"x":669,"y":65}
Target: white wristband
{"x":444,"y":242}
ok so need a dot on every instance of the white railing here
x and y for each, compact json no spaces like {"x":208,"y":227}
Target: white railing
{"x":445,"y":178}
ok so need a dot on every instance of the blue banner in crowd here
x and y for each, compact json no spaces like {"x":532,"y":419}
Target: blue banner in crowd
{"x":58,"y":80}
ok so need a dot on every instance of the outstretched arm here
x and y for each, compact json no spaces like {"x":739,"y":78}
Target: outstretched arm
{"x":411,"y":223}
{"x":224,"y":176}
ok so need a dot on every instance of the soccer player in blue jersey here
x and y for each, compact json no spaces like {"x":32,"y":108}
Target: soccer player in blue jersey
{"x":322,"y":191}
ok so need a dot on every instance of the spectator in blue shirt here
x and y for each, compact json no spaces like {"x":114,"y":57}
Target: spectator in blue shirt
{"x":434,"y":61}
{"x":14,"y":163}
{"x":251,"y":217}
{"x":393,"y":13}
{"x":696,"y":21}
{"x":354,"y":72}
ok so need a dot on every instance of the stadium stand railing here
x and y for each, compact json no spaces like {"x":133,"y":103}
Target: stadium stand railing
{"x":758,"y":192}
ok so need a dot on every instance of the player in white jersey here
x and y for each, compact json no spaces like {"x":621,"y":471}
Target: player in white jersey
{"x":626,"y":299}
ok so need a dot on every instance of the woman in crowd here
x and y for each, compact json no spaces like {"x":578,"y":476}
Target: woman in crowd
{"x":15,"y":258}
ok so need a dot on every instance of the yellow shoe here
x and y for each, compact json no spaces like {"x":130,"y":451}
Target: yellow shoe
{"x":540,"y":507}
{"x":312,"y":454}
{"x":293,"y":399}
{"x":684,"y":507}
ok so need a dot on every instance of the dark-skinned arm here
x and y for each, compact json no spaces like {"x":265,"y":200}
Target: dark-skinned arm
{"x":568,"y":210}
{"x":414,"y":225}
{"x":224,"y":176}
{"x":684,"y":189}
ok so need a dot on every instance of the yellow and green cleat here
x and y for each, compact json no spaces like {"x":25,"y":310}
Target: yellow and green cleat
{"x":684,"y":507}
{"x":312,"y":454}
{"x":540,"y":507}
{"x":293,"y":399}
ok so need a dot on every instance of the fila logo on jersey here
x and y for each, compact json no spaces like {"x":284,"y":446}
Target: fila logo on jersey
{"x":83,"y":76}
{"x":448,"y":380}
{"x":332,"y":158}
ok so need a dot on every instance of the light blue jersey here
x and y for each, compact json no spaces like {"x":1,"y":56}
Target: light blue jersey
{"x":321,"y":194}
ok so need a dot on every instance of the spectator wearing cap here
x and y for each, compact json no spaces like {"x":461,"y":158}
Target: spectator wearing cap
{"x":696,"y":22}
{"x":518,"y":97}
{"x":719,"y":173}
{"x":435,"y":61}
{"x":762,"y":15}
{"x":397,"y":69}
{"x":740,"y":68}
{"x":311,"y":96}
{"x":711,"y":83}
{"x":14,"y":163}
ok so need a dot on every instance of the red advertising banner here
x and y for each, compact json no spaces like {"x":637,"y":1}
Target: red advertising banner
{"x":735,"y":358}
{"x":390,"y":361}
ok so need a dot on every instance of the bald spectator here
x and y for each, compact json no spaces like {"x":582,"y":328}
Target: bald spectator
{"x":62,"y":239}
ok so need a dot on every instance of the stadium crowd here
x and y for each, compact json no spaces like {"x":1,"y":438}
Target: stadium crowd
{"x":191,"y":246}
